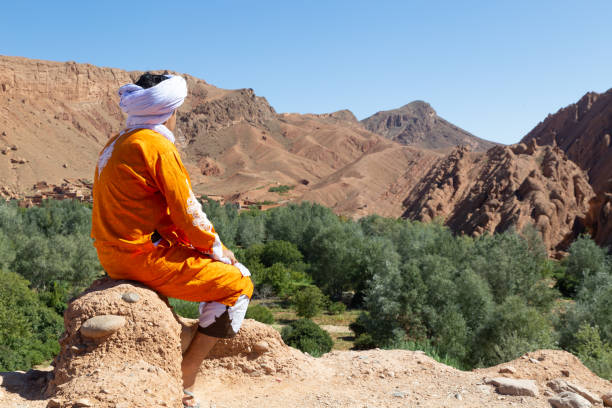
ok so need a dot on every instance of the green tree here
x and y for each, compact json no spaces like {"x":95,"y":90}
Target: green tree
{"x":308,"y":301}
{"x":28,"y":329}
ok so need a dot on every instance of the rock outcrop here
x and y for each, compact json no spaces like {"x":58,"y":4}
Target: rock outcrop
{"x":418,"y":124}
{"x":582,"y":130}
{"x":123,"y":347}
{"x":506,"y":186}
{"x":117,"y":351}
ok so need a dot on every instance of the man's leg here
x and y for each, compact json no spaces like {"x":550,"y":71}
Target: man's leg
{"x":196,"y":353}
{"x":216,"y":321}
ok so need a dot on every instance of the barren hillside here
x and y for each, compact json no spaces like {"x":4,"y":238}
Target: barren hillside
{"x":56,"y":117}
{"x":418,"y":124}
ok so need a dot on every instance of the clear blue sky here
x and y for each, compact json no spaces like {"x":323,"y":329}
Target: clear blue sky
{"x":495,"y":68}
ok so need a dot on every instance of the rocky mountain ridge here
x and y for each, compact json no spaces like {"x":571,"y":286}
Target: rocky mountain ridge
{"x":418,"y":124}
{"x":56,"y":117}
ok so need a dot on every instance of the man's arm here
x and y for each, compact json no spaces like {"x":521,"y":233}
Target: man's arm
{"x":185,"y":210}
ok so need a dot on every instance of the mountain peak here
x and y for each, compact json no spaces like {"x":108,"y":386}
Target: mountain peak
{"x":417,"y":123}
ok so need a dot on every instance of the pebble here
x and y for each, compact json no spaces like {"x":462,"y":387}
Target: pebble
{"x":261,"y":347}
{"x":534,"y":361}
{"x":130,"y":297}
{"x":607,"y":399}
{"x":459,"y":396}
{"x":102,"y":326}
{"x":565,"y":373}
{"x":399,"y":394}
{"x":507,"y":369}
{"x":54,"y":403}
{"x":82,"y":403}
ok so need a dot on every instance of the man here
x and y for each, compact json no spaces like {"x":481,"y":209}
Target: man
{"x":148,"y":226}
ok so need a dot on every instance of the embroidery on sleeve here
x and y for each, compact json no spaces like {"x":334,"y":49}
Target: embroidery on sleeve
{"x":194,"y":208}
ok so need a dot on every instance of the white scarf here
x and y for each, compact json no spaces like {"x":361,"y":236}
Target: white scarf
{"x":149,"y":108}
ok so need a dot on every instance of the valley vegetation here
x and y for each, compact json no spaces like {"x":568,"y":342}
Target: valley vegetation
{"x":466,"y":301}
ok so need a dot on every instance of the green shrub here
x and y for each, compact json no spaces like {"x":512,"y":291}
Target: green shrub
{"x":185,"y":308}
{"x":282,"y":189}
{"x":336,"y":308}
{"x":308,"y":301}
{"x":364,"y":342}
{"x":260,"y":313}
{"x":306,"y":335}
{"x":29,"y":330}
{"x":592,"y":351}
{"x":585,"y":258}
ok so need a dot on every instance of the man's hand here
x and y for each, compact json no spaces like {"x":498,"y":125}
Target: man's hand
{"x":229,"y":254}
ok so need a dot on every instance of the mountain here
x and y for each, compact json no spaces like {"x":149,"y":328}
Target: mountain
{"x":418,"y":124}
{"x":508,"y":186}
{"x":582,"y":130}
{"x":56,"y":117}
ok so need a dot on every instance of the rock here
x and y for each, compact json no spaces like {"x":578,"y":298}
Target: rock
{"x":261,"y":347}
{"x":507,"y":369}
{"x":511,"y":386}
{"x":55,"y":403}
{"x":102,"y":326}
{"x":118,"y":363}
{"x":565,"y":373}
{"x":534,"y":361}
{"x":458,"y":396}
{"x":399,"y":394}
{"x":82,"y":403}
{"x":560,"y":385}
{"x":607,"y":399}
{"x":569,"y":400}
{"x":485,"y":389}
{"x":130,"y":297}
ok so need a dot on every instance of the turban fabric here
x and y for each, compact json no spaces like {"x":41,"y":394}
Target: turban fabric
{"x":150,"y":107}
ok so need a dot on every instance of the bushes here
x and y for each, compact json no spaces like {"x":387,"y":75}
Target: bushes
{"x":29,"y":330}
{"x":260,"y":313}
{"x":307,"y":336}
{"x":185,"y":308}
{"x":308,"y":302}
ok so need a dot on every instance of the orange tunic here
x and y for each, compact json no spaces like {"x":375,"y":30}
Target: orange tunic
{"x":141,"y":186}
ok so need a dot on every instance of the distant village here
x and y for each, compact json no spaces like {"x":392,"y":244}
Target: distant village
{"x":81,"y":190}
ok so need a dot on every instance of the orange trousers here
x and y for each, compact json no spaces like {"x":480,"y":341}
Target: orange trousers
{"x":177,"y":271}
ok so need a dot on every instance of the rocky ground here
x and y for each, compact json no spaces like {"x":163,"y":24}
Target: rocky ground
{"x":374,"y":378}
{"x":122,"y":349}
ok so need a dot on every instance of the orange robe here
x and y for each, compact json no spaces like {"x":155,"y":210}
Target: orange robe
{"x":141,"y":186}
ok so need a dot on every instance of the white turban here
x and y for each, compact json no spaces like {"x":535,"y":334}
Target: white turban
{"x":150,"y":107}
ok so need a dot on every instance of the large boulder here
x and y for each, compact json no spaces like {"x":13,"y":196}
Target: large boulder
{"x":121,"y":348}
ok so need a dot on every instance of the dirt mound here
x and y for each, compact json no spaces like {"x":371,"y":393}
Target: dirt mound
{"x":506,"y":186}
{"x":135,"y":363}
{"x":418,"y":124}
{"x":257,"y":350}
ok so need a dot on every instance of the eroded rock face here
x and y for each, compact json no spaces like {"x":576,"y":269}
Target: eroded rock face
{"x":506,"y":186}
{"x":137,"y":363}
{"x":582,"y":130}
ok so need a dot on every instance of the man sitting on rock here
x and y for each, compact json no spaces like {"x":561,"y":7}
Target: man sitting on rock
{"x":148,"y":226}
